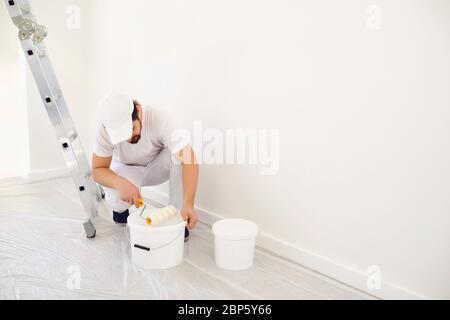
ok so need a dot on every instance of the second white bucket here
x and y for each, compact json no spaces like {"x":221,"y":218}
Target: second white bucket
{"x":234,"y":243}
{"x":158,"y":247}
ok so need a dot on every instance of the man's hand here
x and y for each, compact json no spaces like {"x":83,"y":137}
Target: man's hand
{"x":128,"y":192}
{"x":189,"y":215}
{"x":189,"y":165}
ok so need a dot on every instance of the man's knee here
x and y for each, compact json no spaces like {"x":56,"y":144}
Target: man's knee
{"x":113,"y":200}
{"x":132,"y":173}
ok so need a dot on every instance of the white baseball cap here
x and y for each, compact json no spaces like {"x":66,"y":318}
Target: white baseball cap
{"x":114,"y":113}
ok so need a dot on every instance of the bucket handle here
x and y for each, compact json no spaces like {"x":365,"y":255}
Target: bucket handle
{"x":155,"y":248}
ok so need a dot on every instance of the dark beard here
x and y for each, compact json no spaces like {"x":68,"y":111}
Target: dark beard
{"x":135,"y":139}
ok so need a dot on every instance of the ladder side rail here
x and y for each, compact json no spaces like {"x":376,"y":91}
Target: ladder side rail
{"x":71,"y":131}
{"x":59,"y":115}
{"x":72,"y":134}
{"x":69,"y":153}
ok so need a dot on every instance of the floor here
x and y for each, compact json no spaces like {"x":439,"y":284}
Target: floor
{"x":45,"y":255}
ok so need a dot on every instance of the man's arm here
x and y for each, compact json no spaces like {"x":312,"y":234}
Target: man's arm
{"x":190,"y":171}
{"x":102,"y":174}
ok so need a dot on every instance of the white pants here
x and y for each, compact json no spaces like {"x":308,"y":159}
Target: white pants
{"x":161,"y":169}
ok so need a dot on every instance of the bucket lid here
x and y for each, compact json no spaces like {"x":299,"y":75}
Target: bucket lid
{"x":136,"y":222}
{"x":235,"y":229}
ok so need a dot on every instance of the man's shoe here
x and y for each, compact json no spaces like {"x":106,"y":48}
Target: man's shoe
{"x":187,"y":234}
{"x":121,"y":217}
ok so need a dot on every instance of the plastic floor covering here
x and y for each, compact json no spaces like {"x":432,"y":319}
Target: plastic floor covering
{"x":44,"y":254}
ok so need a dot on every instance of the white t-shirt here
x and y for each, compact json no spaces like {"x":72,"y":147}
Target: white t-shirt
{"x":157,"y":132}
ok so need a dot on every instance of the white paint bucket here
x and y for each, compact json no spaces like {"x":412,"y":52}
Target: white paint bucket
{"x":156,"y":247}
{"x":234,"y":243}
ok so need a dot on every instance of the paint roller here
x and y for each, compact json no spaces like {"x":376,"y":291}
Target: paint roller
{"x":156,"y":216}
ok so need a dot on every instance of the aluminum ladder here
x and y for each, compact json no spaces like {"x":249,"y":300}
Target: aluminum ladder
{"x":31,"y":36}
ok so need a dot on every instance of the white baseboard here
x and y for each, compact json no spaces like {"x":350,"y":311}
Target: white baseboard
{"x":37,"y":175}
{"x":327,"y":267}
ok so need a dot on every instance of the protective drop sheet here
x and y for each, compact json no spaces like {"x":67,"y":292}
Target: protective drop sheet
{"x":44,"y":254}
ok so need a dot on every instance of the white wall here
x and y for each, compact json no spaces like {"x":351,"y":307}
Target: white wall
{"x":71,"y":53}
{"x":363,"y":115}
{"x":14,"y":158}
